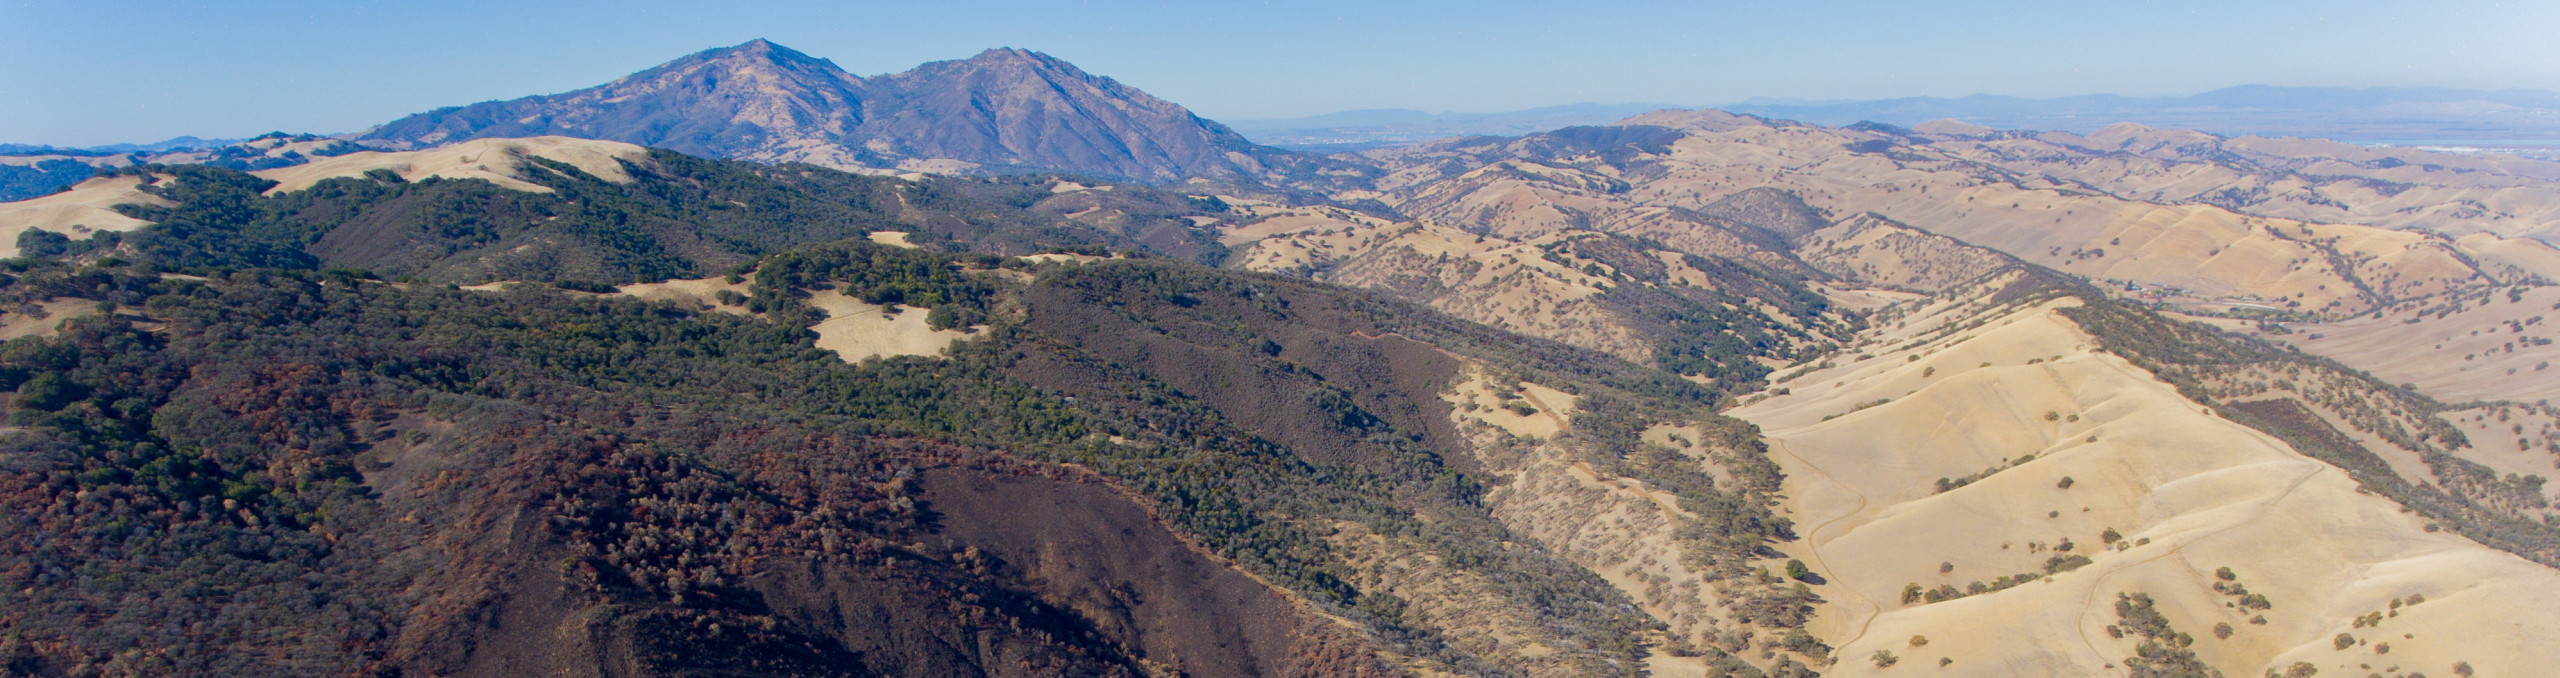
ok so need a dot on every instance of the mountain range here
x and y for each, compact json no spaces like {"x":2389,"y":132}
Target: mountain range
{"x":2526,"y":121}
{"x":2403,"y":115}
{"x":1691,"y":393}
{"x":1363,"y":129}
{"x":1004,"y":108}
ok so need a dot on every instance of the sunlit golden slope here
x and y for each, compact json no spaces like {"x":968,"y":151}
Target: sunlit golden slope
{"x":2086,"y":450}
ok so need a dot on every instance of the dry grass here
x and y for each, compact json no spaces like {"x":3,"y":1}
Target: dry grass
{"x":857,"y":331}
{"x":499,"y":161}
{"x":47,"y":321}
{"x":2195,"y":491}
{"x":78,"y":213}
{"x":892,"y":238}
{"x":699,"y":293}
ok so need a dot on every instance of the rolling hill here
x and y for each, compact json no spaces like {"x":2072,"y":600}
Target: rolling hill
{"x":537,"y":387}
{"x":1294,"y":478}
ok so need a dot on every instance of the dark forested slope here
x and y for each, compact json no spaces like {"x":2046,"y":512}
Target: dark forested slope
{"x":285,"y":471}
{"x":288,"y":443}
{"x":681,"y":217}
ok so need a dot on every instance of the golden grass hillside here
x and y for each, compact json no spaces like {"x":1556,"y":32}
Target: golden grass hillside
{"x":1525,"y":189}
{"x":87,"y":209}
{"x":2303,"y":179}
{"x":1951,"y":479}
{"x":2495,"y":345}
{"x":499,"y":161}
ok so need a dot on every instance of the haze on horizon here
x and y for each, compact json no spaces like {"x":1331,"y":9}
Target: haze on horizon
{"x":154,"y":70}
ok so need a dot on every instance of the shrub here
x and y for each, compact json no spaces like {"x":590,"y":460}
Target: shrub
{"x":49,"y":391}
{"x":2343,"y":641}
{"x":1883,"y":658}
{"x":1919,"y":641}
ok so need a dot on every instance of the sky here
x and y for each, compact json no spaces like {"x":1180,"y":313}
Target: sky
{"x":88,"y":72}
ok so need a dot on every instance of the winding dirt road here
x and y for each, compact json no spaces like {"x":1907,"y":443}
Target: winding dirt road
{"x":1813,"y":539}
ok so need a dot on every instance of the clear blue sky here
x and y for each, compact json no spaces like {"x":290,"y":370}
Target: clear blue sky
{"x":93,"y":72}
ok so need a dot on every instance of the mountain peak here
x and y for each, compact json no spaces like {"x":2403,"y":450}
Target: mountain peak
{"x":757,"y":50}
{"x":1004,"y":54}
{"x":759,"y":100}
{"x":1000,"y":59}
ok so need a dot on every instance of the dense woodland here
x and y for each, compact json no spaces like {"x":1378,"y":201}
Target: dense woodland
{"x":247,"y":468}
{"x":20,"y":182}
{"x":682,"y":217}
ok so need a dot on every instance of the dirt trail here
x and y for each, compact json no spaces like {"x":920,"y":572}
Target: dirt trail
{"x":1545,"y":408}
{"x":2090,"y":603}
{"x":1813,"y":539}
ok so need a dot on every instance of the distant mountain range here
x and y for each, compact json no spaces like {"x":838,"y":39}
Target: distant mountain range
{"x":185,"y":142}
{"x":761,"y":101}
{"x":1372,"y":128}
{"x":2484,"y":118}
{"x":1010,"y":110}
{"x":2514,"y":119}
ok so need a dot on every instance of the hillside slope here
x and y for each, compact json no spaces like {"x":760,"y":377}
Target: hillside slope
{"x":665,"y":478}
{"x":558,"y":209}
{"x":1619,"y":179}
{"x":2067,"y":480}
